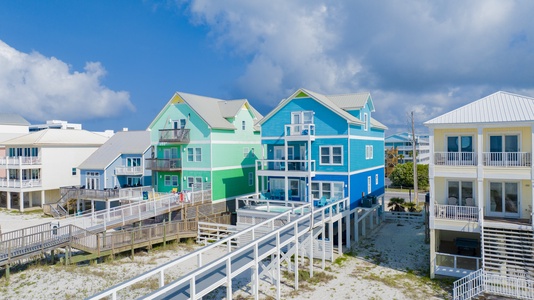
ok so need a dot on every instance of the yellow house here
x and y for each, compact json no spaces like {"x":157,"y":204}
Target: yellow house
{"x":481,"y":188}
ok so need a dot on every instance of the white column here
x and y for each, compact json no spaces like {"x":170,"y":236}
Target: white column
{"x":8,"y":200}
{"x":347,"y":231}
{"x":21,"y":201}
{"x":356,"y":231}
{"x":480,"y":177}
{"x":30,"y":195}
{"x":42,"y":198}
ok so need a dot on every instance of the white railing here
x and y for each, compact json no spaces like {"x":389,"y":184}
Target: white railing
{"x":301,"y":226}
{"x":494,"y":284}
{"x":129,"y":170}
{"x":17,"y":183}
{"x":302,"y":165}
{"x":455,"y":158}
{"x":506,"y":159}
{"x":124,"y":214}
{"x":20,"y":160}
{"x":455,"y":212}
{"x":456,"y":262}
{"x":135,"y":193}
{"x":299,"y":130}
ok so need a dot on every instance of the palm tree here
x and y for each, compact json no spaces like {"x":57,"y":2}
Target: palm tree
{"x":396,"y":203}
{"x":411,"y":206}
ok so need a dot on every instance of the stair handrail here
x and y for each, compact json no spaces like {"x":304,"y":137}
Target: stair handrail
{"x":469,"y":286}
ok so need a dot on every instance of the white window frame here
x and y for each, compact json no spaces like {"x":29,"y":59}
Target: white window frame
{"x":368,"y":151}
{"x":194,"y":154}
{"x":376,"y":179}
{"x":167,"y":180}
{"x":369,"y":185}
{"x":365,"y":121}
{"x":246,"y":152}
{"x":330,"y":155}
{"x":243,"y":125}
{"x":317,"y":189}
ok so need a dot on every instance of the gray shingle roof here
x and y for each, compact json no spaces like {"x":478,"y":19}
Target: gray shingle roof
{"x":337,"y":103}
{"x":13,"y":119}
{"x":495,"y":108}
{"x":215,"y":111}
{"x":122,"y":142}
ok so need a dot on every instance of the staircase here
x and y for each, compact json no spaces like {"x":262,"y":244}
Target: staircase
{"x":509,"y":252}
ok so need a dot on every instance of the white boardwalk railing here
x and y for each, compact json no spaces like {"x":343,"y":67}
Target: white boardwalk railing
{"x":455,"y":212}
{"x":481,"y":281}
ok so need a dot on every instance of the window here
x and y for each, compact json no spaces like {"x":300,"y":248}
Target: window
{"x":331,"y":155}
{"x":245,"y":152}
{"x":458,"y":192}
{"x":133,"y":181}
{"x":194,"y":182}
{"x":369,"y":185}
{"x":194,"y":154}
{"x":174,"y":179}
{"x":368,"y":151}
{"x":168,"y":180}
{"x":294,"y":187}
{"x":365,"y":121}
{"x":180,"y":124}
{"x":504,"y":198}
{"x":133,"y":162}
{"x":327,"y":189}
{"x":250,"y":179}
{"x":73,"y":171}
{"x":243,"y":125}
{"x":376,"y":179}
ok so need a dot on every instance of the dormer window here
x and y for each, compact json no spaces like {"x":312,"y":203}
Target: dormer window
{"x":243,"y":125}
{"x":365,"y":122}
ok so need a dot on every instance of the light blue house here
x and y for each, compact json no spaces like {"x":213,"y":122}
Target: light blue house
{"x":320,"y":147}
{"x":118,"y":163}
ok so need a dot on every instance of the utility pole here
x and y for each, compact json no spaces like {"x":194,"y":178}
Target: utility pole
{"x":414,"y":159}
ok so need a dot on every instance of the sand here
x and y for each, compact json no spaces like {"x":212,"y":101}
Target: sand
{"x":391,"y":264}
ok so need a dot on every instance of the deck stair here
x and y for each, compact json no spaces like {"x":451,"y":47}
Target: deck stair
{"x":82,"y":232}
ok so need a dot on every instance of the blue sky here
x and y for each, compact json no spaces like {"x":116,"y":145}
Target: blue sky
{"x":114,"y":64}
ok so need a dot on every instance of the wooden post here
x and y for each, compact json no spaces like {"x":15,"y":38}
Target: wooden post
{"x":164,"y":233}
{"x":132,"y":242}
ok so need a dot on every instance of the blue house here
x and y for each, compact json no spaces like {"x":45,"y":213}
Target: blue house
{"x":322,"y":147}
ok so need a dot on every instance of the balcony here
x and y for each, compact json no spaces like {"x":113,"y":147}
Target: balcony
{"x":446,"y":264}
{"x":17,"y":183}
{"x":138,"y":170}
{"x":456,"y":213}
{"x":506,"y":159}
{"x":174,"y":135}
{"x":279,"y":166}
{"x":20,"y":161}
{"x":163,"y":164}
{"x":299,"y":132}
{"x":455,"y":158}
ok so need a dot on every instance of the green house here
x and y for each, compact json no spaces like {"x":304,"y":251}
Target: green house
{"x":205,"y":143}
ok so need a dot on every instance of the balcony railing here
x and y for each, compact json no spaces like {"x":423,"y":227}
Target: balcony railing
{"x":281,"y":165}
{"x":138,"y":170}
{"x":456,"y":265}
{"x":455,"y":212}
{"x":17,"y":183}
{"x":296,"y":130}
{"x":174,"y":135}
{"x":20,"y":160}
{"x":506,"y":159}
{"x":163,"y":164}
{"x":455,"y":158}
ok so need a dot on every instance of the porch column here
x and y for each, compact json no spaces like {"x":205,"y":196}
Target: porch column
{"x":77,"y":205}
{"x":431,"y":182}
{"x":30,"y":196}
{"x":21,"y":201}
{"x":433,"y":247}
{"x":42,"y":198}
{"x":347,"y":231}
{"x":356,"y":231}
{"x":480,"y":177}
{"x":8,"y":200}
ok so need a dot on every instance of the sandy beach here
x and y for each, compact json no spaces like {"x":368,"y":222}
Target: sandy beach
{"x":392,"y":263}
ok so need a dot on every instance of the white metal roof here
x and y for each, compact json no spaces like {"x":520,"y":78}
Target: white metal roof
{"x":122,"y":142}
{"x":13,"y":119}
{"x":495,"y":108}
{"x":49,"y":137}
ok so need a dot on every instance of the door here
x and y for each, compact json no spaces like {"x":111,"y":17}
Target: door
{"x":295,"y":119}
{"x":278,"y":156}
{"x":504,"y":199}
{"x":504,"y":149}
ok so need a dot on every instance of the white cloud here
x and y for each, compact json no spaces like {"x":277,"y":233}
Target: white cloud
{"x":41,"y":88}
{"x":426,"y":56}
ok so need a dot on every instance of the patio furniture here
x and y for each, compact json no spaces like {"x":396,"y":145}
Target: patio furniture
{"x":452,"y":201}
{"x":470,"y":202}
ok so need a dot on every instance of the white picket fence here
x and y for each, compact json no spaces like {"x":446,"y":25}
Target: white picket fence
{"x":402,"y":216}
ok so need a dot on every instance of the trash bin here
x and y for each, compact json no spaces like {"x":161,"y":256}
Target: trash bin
{"x":145,"y":195}
{"x":367,"y":201}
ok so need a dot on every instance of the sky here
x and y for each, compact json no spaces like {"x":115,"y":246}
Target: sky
{"x":115,"y":64}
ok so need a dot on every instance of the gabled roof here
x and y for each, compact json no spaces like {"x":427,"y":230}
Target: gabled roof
{"x":13,"y":119}
{"x":58,"y":137}
{"x":215,"y":112}
{"x":339,"y":104}
{"x":495,"y":108}
{"x":122,"y":142}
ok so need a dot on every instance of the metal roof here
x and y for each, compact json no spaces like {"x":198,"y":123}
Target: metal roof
{"x":13,"y":119}
{"x":351,"y":101}
{"x":50,"y":137}
{"x":122,"y":142}
{"x":495,"y":108}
